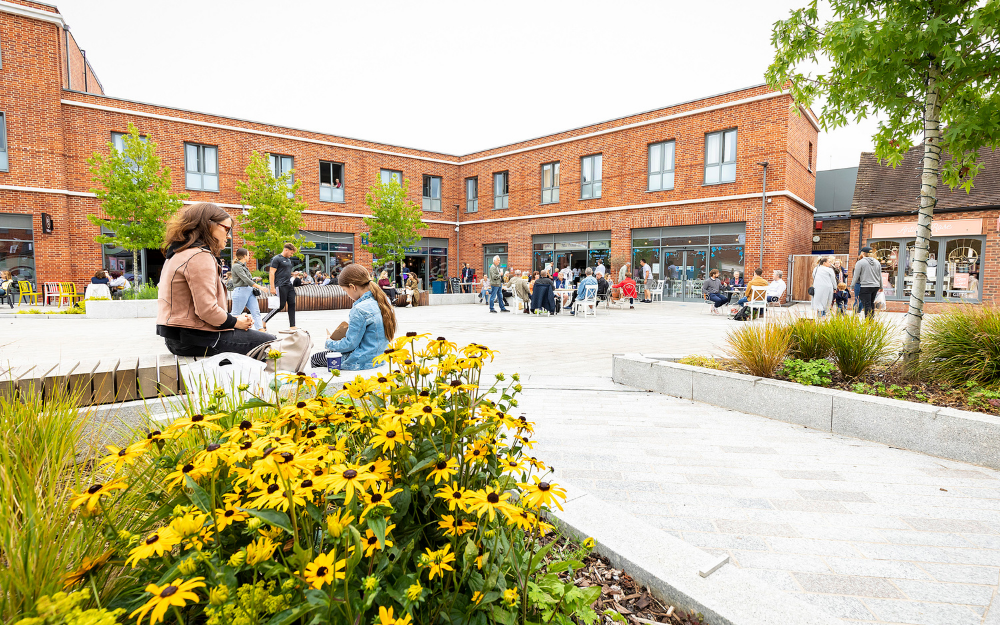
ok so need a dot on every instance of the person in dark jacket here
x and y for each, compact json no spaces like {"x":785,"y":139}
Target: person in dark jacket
{"x":736,"y":282}
{"x":543,"y":294}
{"x":712,"y":290}
{"x":841,"y":297}
{"x":101,"y":277}
{"x":868,"y":274}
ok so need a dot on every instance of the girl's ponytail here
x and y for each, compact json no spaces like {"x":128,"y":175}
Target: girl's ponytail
{"x":356,"y":275}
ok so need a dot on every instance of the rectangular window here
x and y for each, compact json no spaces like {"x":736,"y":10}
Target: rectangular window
{"x":201,"y":167}
{"x":432,"y":194}
{"x":3,"y":143}
{"x":661,"y":166}
{"x":390,"y":174}
{"x":720,"y":157}
{"x":280,"y":165}
{"x":331,"y":181}
{"x":472,"y":195}
{"x":550,"y":183}
{"x":590,"y":176}
{"x":500,"y":190}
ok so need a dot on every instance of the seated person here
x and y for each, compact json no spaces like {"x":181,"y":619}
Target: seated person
{"x":603,"y":288}
{"x":581,"y":289}
{"x":627,"y":285}
{"x":297,"y":279}
{"x":736,"y":282}
{"x":521,"y":290}
{"x":711,"y":288}
{"x":543,"y":294}
{"x":758,"y":281}
{"x":385,"y":284}
{"x":101,"y":277}
{"x":370,"y":326}
{"x":841,"y":297}
{"x":118,"y":283}
{"x":776,"y":289}
{"x":412,"y":289}
{"x":484,"y":291}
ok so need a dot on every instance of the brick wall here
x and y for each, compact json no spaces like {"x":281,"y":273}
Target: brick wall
{"x":835,"y":235}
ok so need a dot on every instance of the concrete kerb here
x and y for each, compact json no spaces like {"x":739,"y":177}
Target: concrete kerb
{"x":117,"y":423}
{"x":669,"y":567}
{"x":944,"y":432}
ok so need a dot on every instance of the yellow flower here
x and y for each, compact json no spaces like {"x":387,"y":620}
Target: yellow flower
{"x":378,"y":497}
{"x":456,"y":497}
{"x":183,"y":424}
{"x":229,"y":515}
{"x":188,"y":525}
{"x":455,"y":527}
{"x":92,"y":495}
{"x":324,"y":570}
{"x":443,"y":470}
{"x":371,"y":542}
{"x":177,"y":477}
{"x":156,"y":544}
{"x":360,"y":387}
{"x":260,"y":550}
{"x":511,"y":464}
{"x":588,"y":543}
{"x":177,"y":593}
{"x":426,"y":413}
{"x":542,"y":493}
{"x":346,"y":477}
{"x":385,"y":617}
{"x":414,"y":591}
{"x":369,"y":583}
{"x":127,"y":456}
{"x":439,"y":561}
{"x":479,"y":452}
{"x":218,"y":595}
{"x":510,"y":596}
{"x":338,"y":522}
{"x":87,"y":566}
{"x":477,"y":597}
{"x":387,"y":436}
{"x":300,"y":378}
{"x":294,"y":412}
{"x":488,"y":501}
{"x":521,"y":518}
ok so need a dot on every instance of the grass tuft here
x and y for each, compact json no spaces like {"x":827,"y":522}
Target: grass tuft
{"x":759,"y":347}
{"x":963,"y":345}
{"x":809,"y":340}
{"x":858,"y":343}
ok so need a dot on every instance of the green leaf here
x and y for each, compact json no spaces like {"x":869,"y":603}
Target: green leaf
{"x":291,"y":614}
{"x":503,"y":616}
{"x":423,"y":463}
{"x":615,"y":616}
{"x":276,"y":518}
{"x":559,"y":567}
{"x":197,"y":494}
{"x":377,"y":526}
{"x":539,"y":556}
{"x":254,"y":402}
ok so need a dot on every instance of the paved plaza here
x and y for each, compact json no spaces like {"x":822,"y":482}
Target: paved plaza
{"x":870,"y":533}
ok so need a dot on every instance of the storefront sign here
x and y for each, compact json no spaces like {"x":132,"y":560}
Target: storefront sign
{"x":939,"y":228}
{"x":439,"y":251}
{"x":960,"y":281}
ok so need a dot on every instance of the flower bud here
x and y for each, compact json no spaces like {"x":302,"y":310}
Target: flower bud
{"x":254,"y":524}
{"x":370,"y":583}
{"x":588,"y":543}
{"x":124,"y":536}
{"x":414,"y":488}
{"x":188,"y":567}
{"x":441,"y":457}
{"x":516,"y":377}
{"x":243,"y":388}
{"x":219,"y":595}
{"x":238,"y":558}
{"x":500,"y":377}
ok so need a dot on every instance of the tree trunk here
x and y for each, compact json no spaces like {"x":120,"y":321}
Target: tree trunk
{"x":135,"y":268}
{"x":928,"y":199}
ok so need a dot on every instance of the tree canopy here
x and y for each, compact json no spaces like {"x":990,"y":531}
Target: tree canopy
{"x":273,"y":214}
{"x":395,"y":221}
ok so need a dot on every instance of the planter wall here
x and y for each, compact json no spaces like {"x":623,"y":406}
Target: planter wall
{"x":443,"y":299}
{"x":946,"y":432}
{"x":120,"y":309}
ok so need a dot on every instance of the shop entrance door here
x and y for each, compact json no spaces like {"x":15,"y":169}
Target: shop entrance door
{"x":683,"y":273}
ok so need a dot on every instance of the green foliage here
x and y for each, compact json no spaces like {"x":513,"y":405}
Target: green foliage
{"x":759,"y":347}
{"x":395,"y":223}
{"x":274,"y":208}
{"x":134,"y":194}
{"x":808,"y":339}
{"x":142,"y":291}
{"x":809,"y":372}
{"x":66,"y":609}
{"x":558,"y":601}
{"x":858,"y":343}
{"x":882,"y":52}
{"x":708,"y":362}
{"x":963,"y":345}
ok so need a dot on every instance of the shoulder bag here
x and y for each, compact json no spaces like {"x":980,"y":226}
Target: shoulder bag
{"x":294,"y":345}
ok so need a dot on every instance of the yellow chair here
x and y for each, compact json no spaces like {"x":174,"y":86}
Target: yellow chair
{"x":26,"y":290}
{"x":67,"y":290}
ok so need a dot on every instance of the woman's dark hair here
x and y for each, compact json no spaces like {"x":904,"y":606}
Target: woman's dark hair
{"x":192,"y":226}
{"x":356,"y":275}
{"x":240,"y":253}
{"x":115,"y":274}
{"x":713,"y":273}
{"x":99,"y":273}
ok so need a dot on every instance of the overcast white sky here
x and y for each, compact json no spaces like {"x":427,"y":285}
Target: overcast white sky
{"x":451,"y":76}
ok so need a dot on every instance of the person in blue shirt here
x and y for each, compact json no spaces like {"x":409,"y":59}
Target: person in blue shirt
{"x":581,"y":290}
{"x":370,"y":326}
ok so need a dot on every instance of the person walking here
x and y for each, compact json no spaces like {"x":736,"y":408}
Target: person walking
{"x":857,"y":290}
{"x":824,"y":284}
{"x":496,"y":280}
{"x":242,"y":285}
{"x":622,"y":272}
{"x":647,"y":281}
{"x":868,"y":275}
{"x":280,"y":271}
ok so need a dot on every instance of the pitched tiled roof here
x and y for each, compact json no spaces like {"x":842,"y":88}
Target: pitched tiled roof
{"x":882,"y":189}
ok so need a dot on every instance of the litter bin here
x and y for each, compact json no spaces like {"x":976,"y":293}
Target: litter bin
{"x":437,"y":287}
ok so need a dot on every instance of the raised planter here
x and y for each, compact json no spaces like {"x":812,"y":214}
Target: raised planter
{"x":443,"y":299}
{"x":120,"y":309}
{"x":946,"y":432}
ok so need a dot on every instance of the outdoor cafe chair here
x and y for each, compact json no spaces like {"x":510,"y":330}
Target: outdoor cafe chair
{"x":588,"y":305}
{"x":27,"y":291}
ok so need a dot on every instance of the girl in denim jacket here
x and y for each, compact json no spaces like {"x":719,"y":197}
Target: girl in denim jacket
{"x":372,"y":322}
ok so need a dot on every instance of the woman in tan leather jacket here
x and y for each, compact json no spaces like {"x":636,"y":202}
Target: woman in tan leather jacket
{"x":193,"y":319}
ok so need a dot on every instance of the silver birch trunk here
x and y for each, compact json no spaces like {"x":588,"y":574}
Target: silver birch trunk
{"x":135,"y":267}
{"x":929,"y":178}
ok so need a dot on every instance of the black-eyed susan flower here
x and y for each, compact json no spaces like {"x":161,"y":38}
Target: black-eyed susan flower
{"x":92,"y":496}
{"x":479,"y":451}
{"x":154,"y":545}
{"x":510,"y":597}
{"x":301,"y":379}
{"x":511,"y":464}
{"x":294,"y":412}
{"x":175,"y":594}
{"x":477,"y":597}
{"x":224,"y":517}
{"x":176,"y":478}
{"x":189,"y":524}
{"x":385,"y":617}
{"x":347,"y":478}
{"x":377,"y":497}
{"x":542,"y":493}
{"x":276,"y":497}
{"x":360,"y":387}
{"x":371,"y":543}
{"x":87,"y":566}
{"x":488,"y":502}
{"x":260,"y":550}
{"x":414,"y":591}
{"x":126,"y":456}
{"x":443,"y":470}
{"x":245,"y":429}
{"x":338,"y":522}
{"x":454,"y":526}
{"x":324,"y":570}
{"x":455,"y":497}
{"x":380,"y":469}
{"x":388,"y":436}
{"x":183,"y":424}
{"x":520,"y":517}
{"x":438,"y":561}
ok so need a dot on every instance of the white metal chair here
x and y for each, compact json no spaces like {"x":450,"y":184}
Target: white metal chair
{"x":97,"y":291}
{"x":50,"y":291}
{"x":589,"y":302}
{"x":757,"y":301}
{"x":656,"y":293}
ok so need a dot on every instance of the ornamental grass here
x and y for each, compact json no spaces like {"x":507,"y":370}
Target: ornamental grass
{"x":809,"y":340}
{"x":760,"y":348}
{"x":858,"y":343}
{"x":404,"y":497}
{"x":963,"y":345}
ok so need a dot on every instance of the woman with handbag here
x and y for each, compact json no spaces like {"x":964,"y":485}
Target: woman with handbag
{"x":192,"y":317}
{"x":245,"y":292}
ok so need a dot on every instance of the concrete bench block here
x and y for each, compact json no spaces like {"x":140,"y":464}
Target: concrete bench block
{"x":633,"y":370}
{"x":883,"y":420}
{"x":721,"y":388}
{"x":963,"y":435}
{"x":671,"y":378}
{"x":810,"y":406}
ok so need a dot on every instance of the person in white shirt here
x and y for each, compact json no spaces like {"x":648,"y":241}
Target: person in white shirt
{"x":600,"y":271}
{"x":647,"y":281}
{"x":622,"y":272}
{"x":564,"y":276}
{"x":576,"y":273}
{"x":776,"y":288}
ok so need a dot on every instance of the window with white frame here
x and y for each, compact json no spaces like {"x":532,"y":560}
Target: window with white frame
{"x":280,"y":165}
{"x":432,"y":193}
{"x":4,"y":165}
{"x":201,"y":167}
{"x":331,"y":181}
{"x":391,"y":174}
{"x":661,"y":166}
{"x":590,"y":176}
{"x":472,"y":195}
{"x":720,"y":157}
{"x":500,"y":190}
{"x":550,"y":183}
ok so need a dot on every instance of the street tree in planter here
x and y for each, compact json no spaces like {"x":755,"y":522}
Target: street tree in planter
{"x":395,"y":221}
{"x":930,"y":68}
{"x":134,"y":193}
{"x":273,"y":214}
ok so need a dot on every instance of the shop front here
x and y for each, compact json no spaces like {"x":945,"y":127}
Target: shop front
{"x":17,"y":246}
{"x":332,"y":252}
{"x":682,"y":256}
{"x":954,"y":259}
{"x":576,"y":250}
{"x":489,"y":251}
{"x":117,"y":258}
{"x":428,"y":259}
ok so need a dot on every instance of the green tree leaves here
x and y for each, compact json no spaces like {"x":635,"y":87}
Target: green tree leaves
{"x":273,"y":215}
{"x":395,"y":223}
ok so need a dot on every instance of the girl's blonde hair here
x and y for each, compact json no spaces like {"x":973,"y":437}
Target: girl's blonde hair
{"x":356,"y":275}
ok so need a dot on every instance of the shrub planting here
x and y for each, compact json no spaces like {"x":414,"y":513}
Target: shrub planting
{"x":808,"y":339}
{"x":857,"y":343}
{"x":809,"y":372}
{"x":963,"y":345}
{"x":760,"y":348}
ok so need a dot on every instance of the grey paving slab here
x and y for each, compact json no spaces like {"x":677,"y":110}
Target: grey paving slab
{"x":946,"y":593}
{"x":843,"y":585}
{"x":920,"y":613}
{"x":842,"y":607}
{"x":962,"y":573}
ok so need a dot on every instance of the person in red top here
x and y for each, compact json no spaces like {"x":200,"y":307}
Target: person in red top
{"x":628,"y":290}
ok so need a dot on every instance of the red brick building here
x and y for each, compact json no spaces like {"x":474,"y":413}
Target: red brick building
{"x":680,"y":185}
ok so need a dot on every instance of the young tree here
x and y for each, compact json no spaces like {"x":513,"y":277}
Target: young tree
{"x":395,"y":223}
{"x":134,"y":194}
{"x":273,"y":213}
{"x":928,"y":67}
